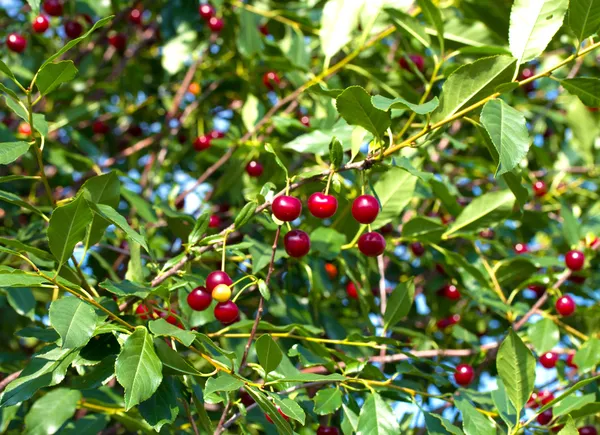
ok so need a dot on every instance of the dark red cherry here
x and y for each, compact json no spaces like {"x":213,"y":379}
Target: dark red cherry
{"x":570,"y":362}
{"x":577,"y":279}
{"x":16,"y":42}
{"x":587,"y":430}
{"x":321,"y":205}
{"x":214,"y":221}
{"x":305,"y":120}
{"x":286,"y":208}
{"x":199,"y":299}
{"x":206,"y":11}
{"x":575,"y":260}
{"x":246,"y":399}
{"x":365,"y":209}
{"x":371,"y":244}
{"x":226,"y":312}
{"x":417,"y":249}
{"x":215,"y":24}
{"x":327,"y":430}
{"x":448,"y":321}
{"x":100,"y":127}
{"x":280,"y":413}
{"x":73,"y":29}
{"x":215,"y":278}
{"x":54,"y":8}
{"x":521,"y":248}
{"x":135,"y":130}
{"x":545,"y":417}
{"x":254,"y":168}
{"x":417,"y":59}
{"x":135,"y":16}
{"x":539,"y":289}
{"x":464,"y":374}
{"x":202,"y":143}
{"x":297,"y":243}
{"x":351,"y":290}
{"x":271,"y":80}
{"x":119,"y":41}
{"x":488,"y":234}
{"x":263,"y":29}
{"x":539,"y":188}
{"x":216,"y":134}
{"x":40,"y":24}
{"x":549,"y":359}
{"x":565,"y":305}
{"x":450,"y":291}
{"x":170,"y":318}
{"x":143,"y":312}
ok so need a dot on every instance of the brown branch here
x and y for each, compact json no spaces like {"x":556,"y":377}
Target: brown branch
{"x":220,"y":427}
{"x":7,"y":380}
{"x":190,"y":417}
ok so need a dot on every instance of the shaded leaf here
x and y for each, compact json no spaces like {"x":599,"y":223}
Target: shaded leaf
{"x":162,"y":407}
{"x":268,"y":352}
{"x":399,"y":304}
{"x":55,"y":74}
{"x":68,"y":225}
{"x":587,"y":89}
{"x":584,"y":18}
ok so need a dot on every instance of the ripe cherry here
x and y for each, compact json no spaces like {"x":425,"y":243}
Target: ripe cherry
{"x":214,"y":221}
{"x":202,"y":143}
{"x":270,"y":79}
{"x":215,"y":278}
{"x":539,"y":289}
{"x":297,"y":243}
{"x":371,"y":244}
{"x":521,"y":248}
{"x":199,"y":299}
{"x":206,"y":11}
{"x":286,"y":208}
{"x":100,"y":127}
{"x":215,"y":24}
{"x":246,"y":399}
{"x":331,"y":270}
{"x":73,"y":29}
{"x":575,"y":260}
{"x":221,"y":293}
{"x":365,"y":209}
{"x":488,"y":234}
{"x":417,"y":59}
{"x":321,"y":205}
{"x":226,"y":312}
{"x":448,"y":321}
{"x":305,"y":120}
{"x":565,"y":305}
{"x":54,"y":8}
{"x":417,"y":249}
{"x":549,"y":359}
{"x":280,"y":413}
{"x":40,"y":24}
{"x":539,"y":188}
{"x":169,"y":318}
{"x":450,"y":291}
{"x":135,"y":16}
{"x":327,"y":430}
{"x":16,"y":42}
{"x":254,"y":168}
{"x":216,"y":134}
{"x":24,"y":129}
{"x":577,"y":279}
{"x":545,"y":417}
{"x":464,"y":374}
{"x":351,"y":290}
{"x":587,"y":430}
{"x":143,"y":312}
{"x":570,"y":362}
{"x":119,"y":41}
{"x":263,"y":29}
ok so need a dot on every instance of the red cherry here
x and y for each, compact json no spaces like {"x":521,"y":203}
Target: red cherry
{"x":327,"y":430}
{"x":254,"y":168}
{"x":54,"y":8}
{"x":539,"y":188}
{"x":119,"y":41}
{"x":448,"y":321}
{"x":180,"y":204}
{"x":488,"y":234}
{"x":549,"y":359}
{"x":270,"y":79}
{"x":246,"y":399}
{"x":521,"y":248}
{"x":199,"y":299}
{"x":570,"y":362}
{"x":525,"y":74}
{"x":351,"y":290}
{"x":387,"y":228}
{"x":450,"y":291}
{"x":365,"y":209}
{"x":321,"y":205}
{"x":216,"y":134}
{"x":16,"y":42}
{"x":297,"y":243}
{"x":417,"y":59}
{"x":286,"y":208}
{"x":545,"y":397}
{"x":135,"y":16}
{"x":565,"y":305}
{"x":575,"y":260}
{"x":587,"y":430}
{"x":40,"y":24}
{"x":206,"y":11}
{"x":226,"y":312}
{"x":169,"y":317}
{"x":215,"y":278}
{"x":73,"y":29}
{"x":577,"y":279}
{"x":305,"y":120}
{"x":545,"y":417}
{"x":143,"y":311}
{"x":202,"y":143}
{"x":24,"y":129}
{"x":263,"y":29}
{"x":417,"y":249}
{"x":100,"y":127}
{"x":214,"y":221}
{"x":533,"y":401}
{"x":280,"y":413}
{"x":215,"y":24}
{"x":371,"y":244}
{"x":464,"y":374}
{"x":538,"y":289}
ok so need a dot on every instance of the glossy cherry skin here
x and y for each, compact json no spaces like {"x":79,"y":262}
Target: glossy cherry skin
{"x":199,"y":299}
{"x":226,"y":312}
{"x":280,"y":413}
{"x":417,"y":59}
{"x":254,"y":168}
{"x":327,"y":430}
{"x":297,"y":243}
{"x":570,"y":362}
{"x":587,"y":430}
{"x":521,"y":248}
{"x":575,"y":260}
{"x":322,"y":206}
{"x":24,"y":129}
{"x":286,"y":208}
{"x":73,"y":29}
{"x":135,"y":16}
{"x":16,"y":42}
{"x":169,"y":318}
{"x":365,"y":209}
{"x":215,"y":24}
{"x":464,"y":374}
{"x":100,"y":127}
{"x":214,"y":221}
{"x":119,"y":41}
{"x":371,"y":244}
{"x":270,"y":79}
{"x":305,"y":120}
{"x":417,"y":249}
{"x":539,"y":188}
{"x":351,"y":290}
{"x":545,"y":417}
{"x":448,"y":321}
{"x":54,"y":8}
{"x":40,"y":24}
{"x":215,"y":278}
{"x":206,"y":11}
{"x":143,"y":312}
{"x":450,"y":291}
{"x":216,"y":134}
{"x":549,"y":359}
{"x":565,"y":305}
{"x":202,"y":143}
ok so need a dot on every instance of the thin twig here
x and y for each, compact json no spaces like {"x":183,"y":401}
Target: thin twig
{"x":7,"y":380}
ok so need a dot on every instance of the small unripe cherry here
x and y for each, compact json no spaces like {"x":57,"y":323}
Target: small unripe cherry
{"x":16,"y":42}
{"x":417,"y":249}
{"x":206,"y":11}
{"x":226,"y":312}
{"x":286,"y":208}
{"x":464,"y":374}
{"x":540,"y":188}
{"x":199,"y":299}
{"x":254,"y":169}
{"x":296,"y":243}
{"x":221,"y":293}
{"x":322,"y":206}
{"x":271,"y":80}
{"x":40,"y":24}
{"x":549,"y":359}
{"x":215,"y":278}
{"x":202,"y":143}
{"x":194,"y":88}
{"x":545,"y":417}
{"x":24,"y":129}
{"x":351,"y":290}
{"x":371,"y":244}
{"x":331,"y":270}
{"x":54,"y":8}
{"x":575,"y":260}
{"x":216,"y":24}
{"x":565,"y":305}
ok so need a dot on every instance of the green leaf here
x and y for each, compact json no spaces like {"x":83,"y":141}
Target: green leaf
{"x":474,"y":423}
{"x":423,"y":229}
{"x":338,"y":21}
{"x":102,"y":189}
{"x":570,"y":225}
{"x":438,"y":425}
{"x":35,"y":5}
{"x":173,"y":362}
{"x":91,"y":423}
{"x":482,"y":213}
{"x":138,"y":368}
{"x":327,"y":401}
{"x":245,"y":215}
{"x":572,"y":403}
{"x":269,"y":149}
{"x":376,"y":417}
{"x":516,"y":368}
{"x":67,"y":227}
{"x":263,"y":288}
{"x":39,"y":120}
{"x":162,"y":408}
{"x":399,"y":304}
{"x":290,"y":408}
{"x":336,"y":153}
{"x":222,"y":383}
{"x":507,"y":128}
{"x":317,"y":141}
{"x":544,"y":335}
{"x":21,"y":300}
{"x":161,"y":328}
{"x":433,"y":16}
{"x":114,"y":217}
{"x":588,"y":356}
{"x":532,"y":26}
{"x":385,"y":104}
{"x":283,"y":427}
{"x":587,"y":89}
{"x":327,"y":242}
{"x":200,"y":227}
{"x":14,"y":199}
{"x":55,"y":74}
{"x":268,"y":352}
{"x":74,"y":320}
{"x":249,"y":41}
{"x":569,"y":428}
{"x":47,"y":335}
{"x":410,"y":26}
{"x":472,"y":82}
{"x":505,"y":408}
{"x":125,"y":288}
{"x":50,"y":412}
{"x":261,"y":255}
{"x":394,"y":190}
{"x":584,"y":18}
{"x":11,"y":151}
{"x":354,"y":104}
{"x":6,"y":70}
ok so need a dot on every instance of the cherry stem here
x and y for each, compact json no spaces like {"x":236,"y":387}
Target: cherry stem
{"x":329,"y":181}
{"x":224,"y":250}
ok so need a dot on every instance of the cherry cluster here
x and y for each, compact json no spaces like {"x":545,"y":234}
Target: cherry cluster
{"x":207,"y":13}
